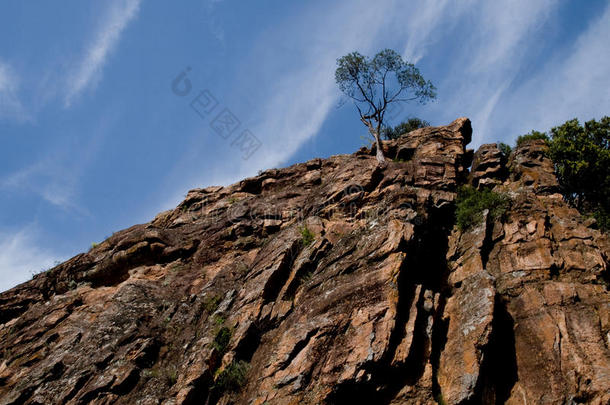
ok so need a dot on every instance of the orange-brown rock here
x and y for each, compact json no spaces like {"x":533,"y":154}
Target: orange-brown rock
{"x":334,"y":281}
{"x":541,"y":334}
{"x":488,"y":166}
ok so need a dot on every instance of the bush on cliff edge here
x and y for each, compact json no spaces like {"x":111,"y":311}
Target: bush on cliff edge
{"x":581,"y":155}
{"x":471,"y":203}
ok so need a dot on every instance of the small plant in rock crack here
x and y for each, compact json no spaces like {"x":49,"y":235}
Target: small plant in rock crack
{"x":307,"y":236}
{"x":306,"y":277}
{"x":150,"y":373}
{"x":222,"y":339}
{"x":219,"y":320}
{"x":210,"y":304}
{"x":171,"y":376}
{"x":232,"y":200}
{"x":176,"y":267}
{"x":233,"y":377}
{"x":471,"y":203}
{"x":505,"y":149}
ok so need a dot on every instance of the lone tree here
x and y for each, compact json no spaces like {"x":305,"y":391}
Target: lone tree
{"x":375,"y":83}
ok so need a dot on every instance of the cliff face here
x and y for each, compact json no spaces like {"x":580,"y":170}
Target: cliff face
{"x":333,"y":281}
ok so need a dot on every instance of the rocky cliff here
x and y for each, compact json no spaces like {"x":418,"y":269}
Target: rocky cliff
{"x":333,"y":281}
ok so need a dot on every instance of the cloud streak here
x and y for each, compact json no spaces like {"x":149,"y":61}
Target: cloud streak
{"x":10,"y":105}
{"x":481,"y":52}
{"x":297,"y":101}
{"x":57,"y":177}
{"x":21,"y":256}
{"x":49,"y":179}
{"x":489,"y":57}
{"x":89,"y":70}
{"x":573,"y":83}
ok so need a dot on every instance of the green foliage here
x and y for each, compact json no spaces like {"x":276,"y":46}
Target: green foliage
{"x":602,"y":216}
{"x":94,"y":245}
{"x":360,"y":77}
{"x":171,"y":376}
{"x":306,"y":277}
{"x":374,"y":84}
{"x":34,"y":273}
{"x":307,"y":237}
{"x":532,"y":136}
{"x":471,"y":203}
{"x":210,"y":304}
{"x":176,"y":267}
{"x":404,"y":127}
{"x":150,"y":373}
{"x":233,"y":377}
{"x":505,"y":149}
{"x":581,"y":155}
{"x":219,"y":320}
{"x":222,"y":339}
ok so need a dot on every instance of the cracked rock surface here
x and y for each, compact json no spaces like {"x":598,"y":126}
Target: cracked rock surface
{"x":335,"y":281}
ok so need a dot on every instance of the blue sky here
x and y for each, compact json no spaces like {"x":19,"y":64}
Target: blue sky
{"x":95,"y":139}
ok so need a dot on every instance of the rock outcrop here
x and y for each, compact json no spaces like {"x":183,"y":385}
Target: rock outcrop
{"x":333,"y":281}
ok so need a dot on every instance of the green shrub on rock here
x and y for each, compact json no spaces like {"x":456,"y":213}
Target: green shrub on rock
{"x":222,"y":339}
{"x":307,"y":236}
{"x":532,"y":136}
{"x":505,"y":149}
{"x":471,"y":203}
{"x":581,"y":156}
{"x":233,"y":377}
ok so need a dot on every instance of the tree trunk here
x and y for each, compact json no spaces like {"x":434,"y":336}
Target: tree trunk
{"x":375,"y":133}
{"x":380,"y":156}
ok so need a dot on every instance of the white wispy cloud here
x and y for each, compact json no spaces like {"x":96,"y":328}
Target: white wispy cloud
{"x":573,"y":83}
{"x":21,"y":256}
{"x":504,"y":32}
{"x":57,"y":177}
{"x":499,"y":37}
{"x":422,"y":24}
{"x":10,"y":104}
{"x":89,"y":69}
{"x":50,"y":179}
{"x":296,"y":101}
{"x":484,"y":67}
{"x":213,"y":24}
